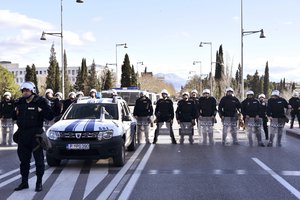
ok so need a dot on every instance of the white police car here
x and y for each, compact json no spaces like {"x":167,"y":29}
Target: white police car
{"x":93,"y":129}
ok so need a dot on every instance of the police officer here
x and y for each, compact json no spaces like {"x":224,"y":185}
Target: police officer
{"x":93,"y":93}
{"x":207,"y":109}
{"x":250,"y":110}
{"x":69,"y":101}
{"x":228,"y":110}
{"x":143,"y":111}
{"x":263,"y":114}
{"x":55,"y":105}
{"x":59,"y":96}
{"x":276,"y":113}
{"x":79,"y":95}
{"x":7,"y":123}
{"x":164,"y":112}
{"x":185,"y":115}
{"x":195,"y":98}
{"x":295,"y":104}
{"x":30,"y":112}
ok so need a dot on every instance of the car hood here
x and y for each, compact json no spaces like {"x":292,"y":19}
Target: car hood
{"x":85,"y":125}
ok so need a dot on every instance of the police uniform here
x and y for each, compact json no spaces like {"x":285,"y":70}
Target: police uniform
{"x":6,"y":112}
{"x":56,"y":107}
{"x":250,"y":108}
{"x":164,"y":112}
{"x":263,"y":115}
{"x":276,"y":110}
{"x":207,"y":109}
{"x":30,"y":114}
{"x":186,"y":112}
{"x":228,"y":108}
{"x":295,"y":104}
{"x":143,"y":110}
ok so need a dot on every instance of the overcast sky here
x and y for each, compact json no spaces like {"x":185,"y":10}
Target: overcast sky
{"x":163,"y":34}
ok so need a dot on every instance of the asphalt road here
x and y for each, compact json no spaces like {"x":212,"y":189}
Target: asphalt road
{"x":167,"y":171}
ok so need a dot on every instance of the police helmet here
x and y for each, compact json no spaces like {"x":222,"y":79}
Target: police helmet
{"x":250,"y":92}
{"x":93,"y":90}
{"x":164,"y":91}
{"x":194,"y":91}
{"x":295,"y":94}
{"x":48,"y":91}
{"x":144,"y":93}
{"x":72,"y":94}
{"x":261,"y":96}
{"x":229,"y":89}
{"x":185,"y":93}
{"x":206,"y":91}
{"x":275,"y":93}
{"x":7,"y":94}
{"x":28,"y":85}
{"x":59,"y":94}
{"x":79,"y":93}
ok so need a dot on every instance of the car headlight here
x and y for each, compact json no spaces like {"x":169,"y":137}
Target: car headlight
{"x":105,"y":135}
{"x":53,"y":135}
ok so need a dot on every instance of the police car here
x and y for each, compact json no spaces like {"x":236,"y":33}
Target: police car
{"x":93,"y":129}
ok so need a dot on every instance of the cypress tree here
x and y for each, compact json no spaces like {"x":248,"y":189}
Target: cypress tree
{"x":28,"y":75}
{"x":133,"y":77}
{"x":51,"y":80}
{"x":126,"y":72}
{"x":67,"y":82}
{"x":57,"y":84}
{"x":266,"y":81}
{"x":34,"y":79}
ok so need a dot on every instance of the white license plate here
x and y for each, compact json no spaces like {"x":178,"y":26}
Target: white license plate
{"x":78,"y":146}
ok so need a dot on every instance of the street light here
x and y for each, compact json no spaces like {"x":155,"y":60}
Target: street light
{"x":211,"y":79}
{"x":244,"y":33}
{"x":60,"y":34}
{"x":117,"y":74}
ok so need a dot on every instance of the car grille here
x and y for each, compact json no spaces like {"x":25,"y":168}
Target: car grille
{"x":79,"y":135}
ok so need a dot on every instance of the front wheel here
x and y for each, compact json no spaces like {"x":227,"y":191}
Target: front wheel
{"x":132,"y":145}
{"x":119,"y":158}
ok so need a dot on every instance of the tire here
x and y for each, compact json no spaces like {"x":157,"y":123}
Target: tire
{"x":52,"y":162}
{"x":132,"y":145}
{"x":119,"y":158}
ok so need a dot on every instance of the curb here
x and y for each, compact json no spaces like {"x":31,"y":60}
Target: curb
{"x":293,"y":132}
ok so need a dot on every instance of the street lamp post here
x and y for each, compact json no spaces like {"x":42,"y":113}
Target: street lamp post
{"x":211,"y":78}
{"x":244,"y":33}
{"x":60,"y":34}
{"x":117,"y":74}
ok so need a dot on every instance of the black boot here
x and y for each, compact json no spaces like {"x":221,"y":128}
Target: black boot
{"x":38,"y":185}
{"x":23,"y":185}
{"x":155,"y":137}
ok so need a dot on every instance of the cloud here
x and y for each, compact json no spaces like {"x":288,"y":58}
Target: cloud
{"x":97,"y":19}
{"x":288,"y":23}
{"x":89,"y":37}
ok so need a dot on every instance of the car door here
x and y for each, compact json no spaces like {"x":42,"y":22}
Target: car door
{"x":126,"y":120}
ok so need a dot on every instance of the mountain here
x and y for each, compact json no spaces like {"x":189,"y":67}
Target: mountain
{"x":173,"y":79}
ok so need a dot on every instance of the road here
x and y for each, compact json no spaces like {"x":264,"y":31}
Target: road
{"x":167,"y":171}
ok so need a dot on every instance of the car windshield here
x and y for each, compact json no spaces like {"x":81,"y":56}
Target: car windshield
{"x":92,"y":111}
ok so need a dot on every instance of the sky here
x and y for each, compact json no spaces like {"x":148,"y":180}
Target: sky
{"x":163,"y":34}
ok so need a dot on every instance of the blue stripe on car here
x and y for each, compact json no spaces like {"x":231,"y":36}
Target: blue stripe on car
{"x":72,"y":126}
{"x":90,"y":125}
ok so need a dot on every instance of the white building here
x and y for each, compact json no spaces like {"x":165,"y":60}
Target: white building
{"x":42,"y":72}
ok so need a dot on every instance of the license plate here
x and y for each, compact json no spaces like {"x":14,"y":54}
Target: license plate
{"x":78,"y":146}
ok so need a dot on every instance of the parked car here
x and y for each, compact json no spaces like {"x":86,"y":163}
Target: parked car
{"x":93,"y":129}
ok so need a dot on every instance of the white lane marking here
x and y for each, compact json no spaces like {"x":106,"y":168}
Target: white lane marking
{"x":13,"y":171}
{"x":64,"y":184}
{"x":96,"y":175}
{"x":290,"y":173}
{"x":111,"y":186}
{"x":29,"y":193}
{"x":134,"y":178}
{"x":4,"y":183}
{"x":283,"y":182}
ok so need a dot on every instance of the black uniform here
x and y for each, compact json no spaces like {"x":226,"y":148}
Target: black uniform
{"x":55,"y":105}
{"x":6,"y":108}
{"x":164,"y":112}
{"x":250,"y":107}
{"x":6,"y":112}
{"x":228,"y":107}
{"x":276,"y":106}
{"x":207,"y":106}
{"x":66,"y":104}
{"x":295,"y":103}
{"x":263,"y":115}
{"x":30,"y":123}
{"x":186,"y":111}
{"x":143,"y":107}
{"x":196,"y":102}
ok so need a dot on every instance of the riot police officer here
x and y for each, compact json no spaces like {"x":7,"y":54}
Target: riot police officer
{"x":295,"y":104}
{"x":164,"y":112}
{"x":195,"y":98}
{"x":30,"y":112}
{"x":55,"y":105}
{"x":7,"y":123}
{"x":93,"y":93}
{"x":207,"y":109}
{"x":228,"y":109}
{"x":69,"y":101}
{"x":250,"y":110}
{"x":143,"y":111}
{"x":263,"y":114}
{"x":185,"y":115}
{"x":276,"y":109}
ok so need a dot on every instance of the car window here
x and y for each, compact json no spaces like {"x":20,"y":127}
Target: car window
{"x":92,"y":111}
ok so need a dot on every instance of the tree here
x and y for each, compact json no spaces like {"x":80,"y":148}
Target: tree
{"x":66,"y":76}
{"x":35,"y":80}
{"x":28,"y":75}
{"x":57,"y":79}
{"x":266,"y":81}
{"x":92,"y":80}
{"x":81,"y":76}
{"x":106,"y":79}
{"x":51,"y":81}
{"x":254,"y":83}
{"x":126,"y":72}
{"x":133,"y":77}
{"x":8,"y":83}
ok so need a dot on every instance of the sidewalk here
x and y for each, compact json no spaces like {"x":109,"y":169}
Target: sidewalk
{"x":294,"y":132}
